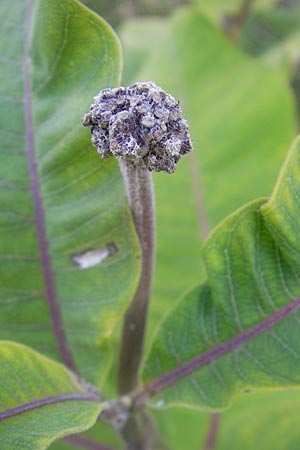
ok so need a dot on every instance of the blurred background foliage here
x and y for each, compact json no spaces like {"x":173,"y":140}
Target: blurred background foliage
{"x":116,"y":11}
{"x":256,"y":26}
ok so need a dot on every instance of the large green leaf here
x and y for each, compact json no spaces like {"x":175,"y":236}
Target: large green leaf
{"x":241,"y":114}
{"x":243,"y":320}
{"x":178,"y":237}
{"x":60,"y":204}
{"x":143,"y":40}
{"x":40,"y":400}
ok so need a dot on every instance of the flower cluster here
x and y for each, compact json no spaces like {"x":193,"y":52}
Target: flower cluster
{"x":140,"y":123}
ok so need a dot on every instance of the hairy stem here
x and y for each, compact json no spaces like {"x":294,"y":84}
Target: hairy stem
{"x":140,"y":432}
{"x":139,"y":190}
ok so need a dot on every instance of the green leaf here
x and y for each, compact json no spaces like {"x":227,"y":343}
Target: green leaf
{"x":40,"y":400}
{"x":241,"y":115}
{"x":178,"y":255}
{"x":176,"y":423}
{"x":178,"y":238}
{"x":263,"y":421}
{"x":243,"y":320}
{"x":60,"y":204}
{"x":257,"y":420}
{"x":101,"y":436}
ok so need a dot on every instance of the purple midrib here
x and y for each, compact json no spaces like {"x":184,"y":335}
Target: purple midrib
{"x":168,"y":379}
{"x":46,"y":401}
{"x":39,"y":219}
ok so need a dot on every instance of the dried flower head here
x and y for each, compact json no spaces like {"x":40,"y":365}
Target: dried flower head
{"x":140,"y":123}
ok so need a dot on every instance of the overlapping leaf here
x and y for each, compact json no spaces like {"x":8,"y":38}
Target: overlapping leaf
{"x":60,"y":204}
{"x":252,"y":262}
{"x":40,"y":400}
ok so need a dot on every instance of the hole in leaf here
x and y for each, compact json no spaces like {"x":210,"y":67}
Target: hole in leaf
{"x":92,"y":257}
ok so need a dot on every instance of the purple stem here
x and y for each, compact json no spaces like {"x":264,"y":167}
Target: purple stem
{"x":50,"y":291}
{"x":84,"y":442}
{"x":168,"y":379}
{"x":211,"y":438}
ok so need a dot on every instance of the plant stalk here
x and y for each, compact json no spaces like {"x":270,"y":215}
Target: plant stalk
{"x":140,"y":432}
{"x":139,"y":190}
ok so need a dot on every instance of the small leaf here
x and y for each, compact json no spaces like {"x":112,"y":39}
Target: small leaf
{"x":60,"y":203}
{"x":40,"y":400}
{"x":241,"y":327}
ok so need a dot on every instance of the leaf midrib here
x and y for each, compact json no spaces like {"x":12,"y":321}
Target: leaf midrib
{"x":39,"y":218}
{"x":166,"y":380}
{"x":46,"y":401}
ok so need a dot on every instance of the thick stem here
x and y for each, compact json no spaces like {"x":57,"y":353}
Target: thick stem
{"x":139,"y":190}
{"x":140,"y":432}
{"x":133,"y":424}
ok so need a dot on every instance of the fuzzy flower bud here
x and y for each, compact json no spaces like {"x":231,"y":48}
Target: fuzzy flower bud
{"x":141,"y":124}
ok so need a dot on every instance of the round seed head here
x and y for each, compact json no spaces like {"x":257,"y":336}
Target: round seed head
{"x":140,"y":123}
